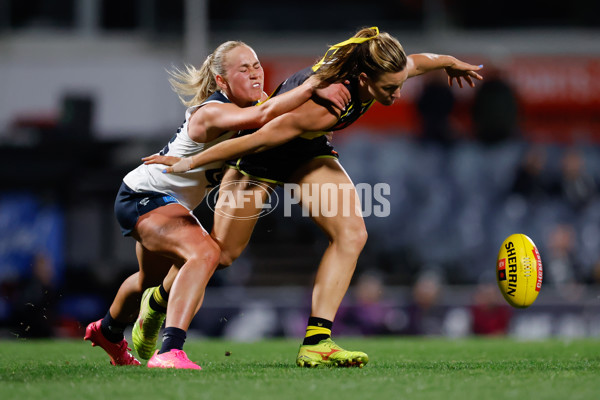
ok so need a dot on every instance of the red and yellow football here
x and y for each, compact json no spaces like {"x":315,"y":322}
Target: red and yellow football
{"x":519,"y":270}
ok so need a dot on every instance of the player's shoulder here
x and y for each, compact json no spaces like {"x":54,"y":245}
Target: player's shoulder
{"x":411,"y":67}
{"x":294,"y":80}
{"x":303,"y":74}
{"x":216,"y":97}
{"x":213,"y":104}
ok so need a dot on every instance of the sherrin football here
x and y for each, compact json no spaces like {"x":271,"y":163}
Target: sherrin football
{"x":519,"y":270}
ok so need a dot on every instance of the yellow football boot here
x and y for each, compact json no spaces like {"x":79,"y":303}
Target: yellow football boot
{"x":327,"y":353}
{"x":147,"y":327}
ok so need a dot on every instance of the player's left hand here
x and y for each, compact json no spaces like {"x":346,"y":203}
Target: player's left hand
{"x":174,"y":164}
{"x":336,"y":93}
{"x":460,"y":70}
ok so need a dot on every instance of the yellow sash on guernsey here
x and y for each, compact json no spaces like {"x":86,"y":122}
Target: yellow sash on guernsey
{"x":314,"y":134}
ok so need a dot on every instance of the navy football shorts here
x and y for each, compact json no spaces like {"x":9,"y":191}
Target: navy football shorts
{"x":131,"y":205}
{"x":277,"y":165}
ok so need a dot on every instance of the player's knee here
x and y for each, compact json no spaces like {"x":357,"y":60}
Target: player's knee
{"x":212,"y":255}
{"x":359,"y":238}
{"x":205,"y":256}
{"x":353,"y":238}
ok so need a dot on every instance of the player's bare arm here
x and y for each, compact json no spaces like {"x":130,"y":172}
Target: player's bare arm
{"x":308,"y":117}
{"x":418,"y":64}
{"x":212,"y":119}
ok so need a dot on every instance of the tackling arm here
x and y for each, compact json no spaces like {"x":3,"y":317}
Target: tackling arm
{"x":226,"y":117}
{"x":308,"y":117}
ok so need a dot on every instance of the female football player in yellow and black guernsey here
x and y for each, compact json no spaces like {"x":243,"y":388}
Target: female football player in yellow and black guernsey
{"x":293,"y":148}
{"x":155,"y":209}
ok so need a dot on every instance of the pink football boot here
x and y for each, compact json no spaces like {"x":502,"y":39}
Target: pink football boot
{"x":118,"y":352}
{"x":172,"y":359}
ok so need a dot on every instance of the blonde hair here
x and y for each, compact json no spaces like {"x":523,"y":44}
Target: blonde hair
{"x":193,"y":85}
{"x":378,"y":54}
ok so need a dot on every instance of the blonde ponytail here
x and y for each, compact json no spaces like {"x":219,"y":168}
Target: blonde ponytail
{"x":192,"y":85}
{"x":368,"y":51}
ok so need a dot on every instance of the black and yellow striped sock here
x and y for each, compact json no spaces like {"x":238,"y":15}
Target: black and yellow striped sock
{"x":318,"y":329}
{"x":159,"y":299}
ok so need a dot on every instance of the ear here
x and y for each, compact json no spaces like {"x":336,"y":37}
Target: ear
{"x":363,"y":78}
{"x":221,"y":82}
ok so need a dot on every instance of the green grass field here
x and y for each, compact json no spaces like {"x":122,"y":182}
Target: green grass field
{"x":400,"y":368}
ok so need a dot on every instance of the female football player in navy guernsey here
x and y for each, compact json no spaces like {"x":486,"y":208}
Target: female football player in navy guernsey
{"x":155,"y":208}
{"x":376,"y":66}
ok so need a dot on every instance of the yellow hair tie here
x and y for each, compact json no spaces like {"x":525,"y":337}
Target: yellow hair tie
{"x":333,"y":49}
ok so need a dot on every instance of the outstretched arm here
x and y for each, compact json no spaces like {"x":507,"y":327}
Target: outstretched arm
{"x":308,"y":117}
{"x":418,"y":64}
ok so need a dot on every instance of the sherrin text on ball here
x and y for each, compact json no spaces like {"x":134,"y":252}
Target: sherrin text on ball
{"x":519,"y":270}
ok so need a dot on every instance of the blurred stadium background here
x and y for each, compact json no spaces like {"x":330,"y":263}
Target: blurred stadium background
{"x":84,"y":95}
